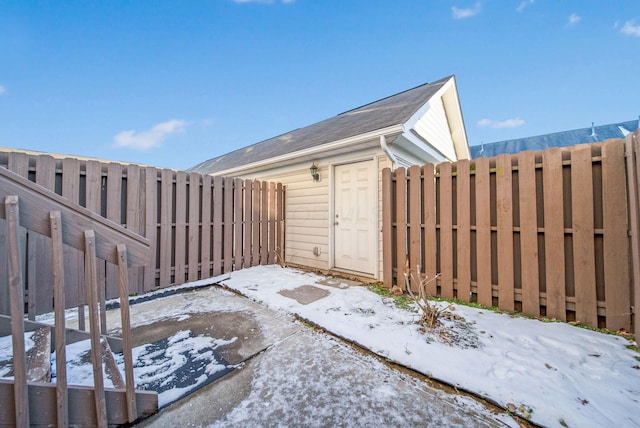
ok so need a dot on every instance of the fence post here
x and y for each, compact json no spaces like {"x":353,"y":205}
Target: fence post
{"x":616,"y":238}
{"x":16,"y":297}
{"x":94,"y":326}
{"x":57,"y":267}
{"x":633,"y":184}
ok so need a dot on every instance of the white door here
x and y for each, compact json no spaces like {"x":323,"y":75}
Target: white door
{"x":354,"y":217}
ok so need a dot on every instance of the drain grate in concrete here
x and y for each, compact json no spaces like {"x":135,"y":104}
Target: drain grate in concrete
{"x":305,"y":294}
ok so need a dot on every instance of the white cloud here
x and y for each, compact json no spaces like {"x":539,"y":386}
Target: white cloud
{"x":630,"y":28}
{"x":574,"y":19}
{"x":3,"y":89}
{"x":148,"y":139}
{"x":459,"y":13}
{"x":523,"y":4}
{"x":498,"y":124}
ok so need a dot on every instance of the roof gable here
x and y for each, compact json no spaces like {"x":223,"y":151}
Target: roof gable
{"x":389,"y":111}
{"x":557,"y":139}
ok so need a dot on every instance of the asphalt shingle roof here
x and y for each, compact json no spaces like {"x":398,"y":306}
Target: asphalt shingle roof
{"x":390,"y":111}
{"x":557,"y":139}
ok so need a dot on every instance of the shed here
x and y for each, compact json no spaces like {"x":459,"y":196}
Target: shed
{"x":333,"y":216}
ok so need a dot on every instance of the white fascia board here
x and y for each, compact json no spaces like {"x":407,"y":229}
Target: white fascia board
{"x":417,"y":147}
{"x":263,"y":164}
{"x":453,"y":110}
{"x":409,"y":124}
{"x":451,"y":101}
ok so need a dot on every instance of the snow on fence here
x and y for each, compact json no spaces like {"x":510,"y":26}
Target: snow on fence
{"x":542,"y":233}
{"x":198,"y":226}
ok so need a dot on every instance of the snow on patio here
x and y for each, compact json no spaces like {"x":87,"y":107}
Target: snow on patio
{"x":554,"y":374}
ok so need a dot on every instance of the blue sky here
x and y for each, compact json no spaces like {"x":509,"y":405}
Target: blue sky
{"x":172,"y":83}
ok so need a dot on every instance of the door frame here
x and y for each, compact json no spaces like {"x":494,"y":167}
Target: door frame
{"x":375,"y":220}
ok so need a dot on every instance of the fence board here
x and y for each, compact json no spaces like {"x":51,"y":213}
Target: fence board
{"x":387,"y":234}
{"x":415,"y":224}
{"x":193,"y":244}
{"x":180,"y":228}
{"x":217,"y":225}
{"x":616,"y":239}
{"x":166,"y":204}
{"x":272,"y":223}
{"x":504,"y":216}
{"x":57,"y":267}
{"x":255,"y":222}
{"x":401,"y":225}
{"x":133,"y":220}
{"x":94,"y":326}
{"x":114,"y":211}
{"x":205,"y":248}
{"x":248,"y":235}
{"x":125,"y":322}
{"x":430,"y":238}
{"x":583,"y":232}
{"x":264,"y":223}
{"x":237,"y":224}
{"x":151,"y":226}
{"x":632,"y":151}
{"x":228,"y":224}
{"x":463,"y":231}
{"x":483,"y":232}
{"x":19,"y":163}
{"x":45,"y":177}
{"x":280,"y":216}
{"x":445,"y":204}
{"x":74,"y":259}
{"x":93,"y":188}
{"x":554,"y":234}
{"x":4,"y":280}
{"x":16,"y":296}
{"x":528,"y":234}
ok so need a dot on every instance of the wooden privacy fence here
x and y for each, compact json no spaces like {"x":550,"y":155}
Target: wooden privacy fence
{"x":198,"y":226}
{"x":35,"y":400}
{"x":544,"y":233}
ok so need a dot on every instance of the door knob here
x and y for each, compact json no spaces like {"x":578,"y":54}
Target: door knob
{"x":336,"y":223}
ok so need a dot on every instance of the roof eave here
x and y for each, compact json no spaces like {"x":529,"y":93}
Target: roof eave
{"x":323,"y":148}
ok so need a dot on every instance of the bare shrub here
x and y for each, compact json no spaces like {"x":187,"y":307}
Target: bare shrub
{"x":430,"y":311}
{"x":280,"y":257}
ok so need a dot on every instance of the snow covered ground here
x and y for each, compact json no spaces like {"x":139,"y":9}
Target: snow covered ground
{"x":554,"y":374}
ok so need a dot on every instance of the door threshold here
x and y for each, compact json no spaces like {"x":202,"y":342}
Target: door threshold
{"x":366,"y":278}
